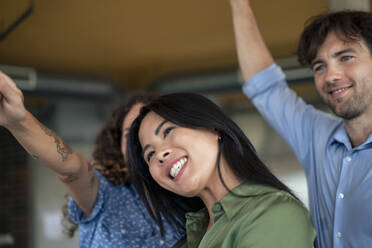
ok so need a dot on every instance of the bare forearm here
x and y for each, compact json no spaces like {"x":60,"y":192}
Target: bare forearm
{"x":45,"y":145}
{"x":72,"y":168}
{"x":253,"y":53}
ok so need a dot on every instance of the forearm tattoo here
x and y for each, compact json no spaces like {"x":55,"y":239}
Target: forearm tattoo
{"x":62,"y":148}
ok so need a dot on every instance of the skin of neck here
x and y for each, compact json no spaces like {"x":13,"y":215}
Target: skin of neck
{"x":215,"y":190}
{"x":359,"y":129}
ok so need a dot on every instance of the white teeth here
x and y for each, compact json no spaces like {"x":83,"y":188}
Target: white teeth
{"x":177,"y":167}
{"x":338,"y":91}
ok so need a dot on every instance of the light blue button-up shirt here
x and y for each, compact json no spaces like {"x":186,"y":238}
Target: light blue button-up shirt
{"x":339,"y":176}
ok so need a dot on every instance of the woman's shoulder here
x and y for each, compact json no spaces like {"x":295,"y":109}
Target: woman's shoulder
{"x":277,"y":216}
{"x":265,"y":202}
{"x":275,"y":200}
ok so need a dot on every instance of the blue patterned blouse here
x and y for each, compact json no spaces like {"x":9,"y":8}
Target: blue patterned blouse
{"x":119,"y":219}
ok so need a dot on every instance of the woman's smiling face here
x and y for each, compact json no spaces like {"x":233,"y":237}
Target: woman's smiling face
{"x":181,"y":160}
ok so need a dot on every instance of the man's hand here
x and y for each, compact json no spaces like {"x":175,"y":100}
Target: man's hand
{"x":12,"y":110}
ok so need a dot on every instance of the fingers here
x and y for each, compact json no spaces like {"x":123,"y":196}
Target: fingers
{"x":8,"y":80}
{"x":8,"y":89}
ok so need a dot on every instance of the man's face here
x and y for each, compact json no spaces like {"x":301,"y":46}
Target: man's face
{"x":343,"y":76}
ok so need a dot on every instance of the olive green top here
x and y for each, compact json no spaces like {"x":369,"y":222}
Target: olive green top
{"x":268,"y":218}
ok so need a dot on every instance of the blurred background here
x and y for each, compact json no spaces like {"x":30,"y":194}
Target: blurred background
{"x":77,"y":59}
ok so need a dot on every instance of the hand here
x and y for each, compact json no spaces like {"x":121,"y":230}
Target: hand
{"x":12,"y":110}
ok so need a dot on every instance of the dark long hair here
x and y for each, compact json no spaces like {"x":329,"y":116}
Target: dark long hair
{"x":196,"y":112}
{"x":107,"y":156}
{"x":348,"y":25}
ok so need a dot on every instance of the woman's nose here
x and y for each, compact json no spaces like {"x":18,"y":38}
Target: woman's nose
{"x":163,"y":155}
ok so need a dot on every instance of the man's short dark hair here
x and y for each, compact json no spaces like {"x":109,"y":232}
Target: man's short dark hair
{"x":348,"y":25}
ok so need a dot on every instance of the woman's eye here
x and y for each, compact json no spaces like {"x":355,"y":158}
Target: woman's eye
{"x":167,"y":131}
{"x":149,"y":156}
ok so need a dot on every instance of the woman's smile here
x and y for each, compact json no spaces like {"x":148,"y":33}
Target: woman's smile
{"x":176,"y":167}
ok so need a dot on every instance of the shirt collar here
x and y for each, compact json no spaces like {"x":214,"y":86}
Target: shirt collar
{"x":196,"y":225}
{"x":340,"y":136}
{"x":232,"y":204}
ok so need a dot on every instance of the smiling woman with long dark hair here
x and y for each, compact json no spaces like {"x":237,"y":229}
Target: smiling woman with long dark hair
{"x":193,"y":165}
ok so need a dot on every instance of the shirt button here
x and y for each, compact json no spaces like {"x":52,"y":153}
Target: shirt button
{"x":161,"y":242}
{"x":348,"y":159}
{"x":338,"y":234}
{"x":341,"y":196}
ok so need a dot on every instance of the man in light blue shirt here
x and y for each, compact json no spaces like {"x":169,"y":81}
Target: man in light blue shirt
{"x":336,"y":152}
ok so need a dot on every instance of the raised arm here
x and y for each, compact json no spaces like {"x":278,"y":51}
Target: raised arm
{"x":252,"y":51}
{"x":45,"y":145}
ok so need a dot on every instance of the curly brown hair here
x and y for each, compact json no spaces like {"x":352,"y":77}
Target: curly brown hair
{"x":107,"y":156}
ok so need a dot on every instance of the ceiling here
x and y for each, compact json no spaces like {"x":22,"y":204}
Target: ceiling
{"x":134,"y":42}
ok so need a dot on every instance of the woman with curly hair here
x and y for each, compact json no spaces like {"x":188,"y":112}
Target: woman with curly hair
{"x":103,"y":202}
{"x":118,"y":211}
{"x":107,"y":156}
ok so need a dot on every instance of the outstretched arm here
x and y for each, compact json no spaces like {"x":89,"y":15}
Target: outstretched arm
{"x":252,"y":51}
{"x":45,"y":145}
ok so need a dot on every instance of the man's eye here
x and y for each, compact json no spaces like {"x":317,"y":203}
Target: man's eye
{"x":149,"y":156}
{"x":167,"y":131}
{"x":346,"y":58}
{"x":318,"y":68}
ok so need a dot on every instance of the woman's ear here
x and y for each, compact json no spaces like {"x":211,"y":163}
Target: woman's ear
{"x":219,"y":136}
